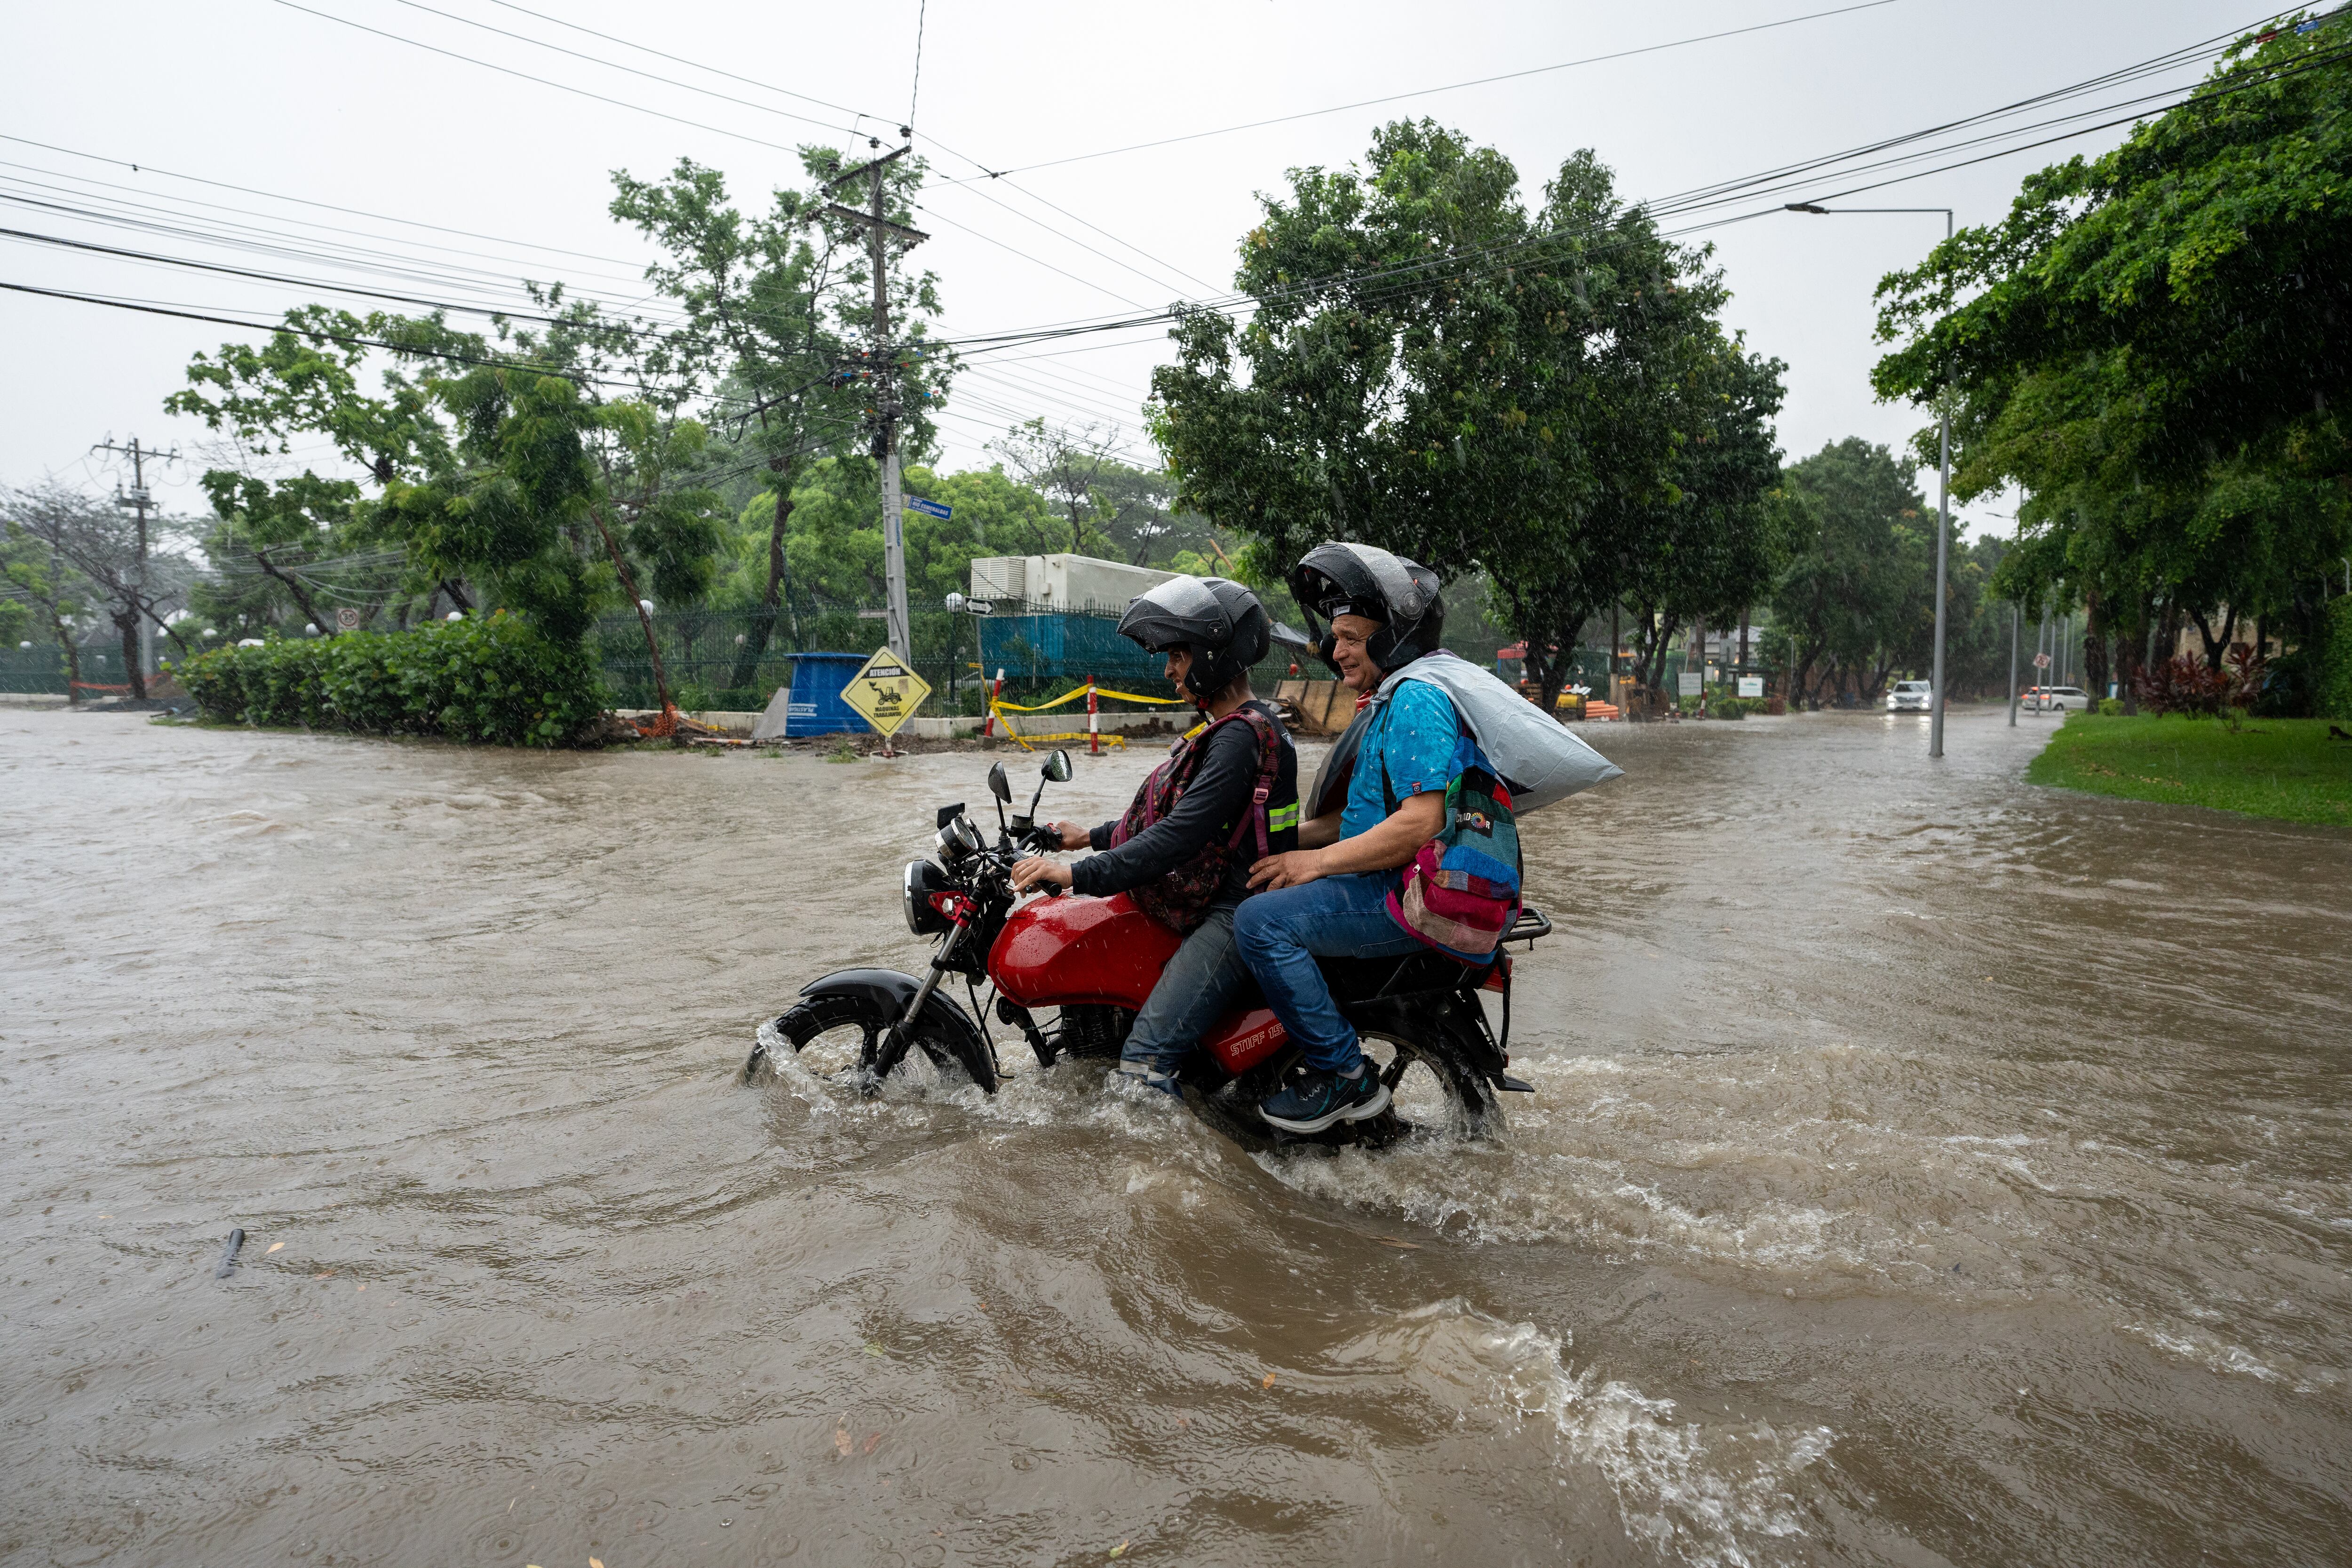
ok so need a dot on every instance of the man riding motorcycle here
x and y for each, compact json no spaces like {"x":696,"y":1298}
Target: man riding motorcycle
{"x":1329,"y":896}
{"x":1227,"y":796}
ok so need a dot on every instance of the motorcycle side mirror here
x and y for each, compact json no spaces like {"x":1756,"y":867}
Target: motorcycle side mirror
{"x":1057,"y":766}
{"x":998,"y":784}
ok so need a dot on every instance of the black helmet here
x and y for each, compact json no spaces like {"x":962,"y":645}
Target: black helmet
{"x":1338,"y":579}
{"x":1220,"y":622}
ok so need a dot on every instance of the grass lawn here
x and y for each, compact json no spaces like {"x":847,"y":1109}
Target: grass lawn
{"x":2285,"y":768}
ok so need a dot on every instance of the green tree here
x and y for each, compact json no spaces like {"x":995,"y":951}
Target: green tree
{"x":45,"y":590}
{"x":1432,"y":368}
{"x":2150,"y":351}
{"x":497,"y":462}
{"x":1712,"y":537}
{"x":1859,"y":579}
{"x":773,"y":307}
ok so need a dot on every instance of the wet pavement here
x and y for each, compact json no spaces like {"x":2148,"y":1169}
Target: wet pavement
{"x":1925,"y":1168}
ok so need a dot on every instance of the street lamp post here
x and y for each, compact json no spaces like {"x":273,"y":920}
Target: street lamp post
{"x":2014,"y":613}
{"x":1943,"y":499}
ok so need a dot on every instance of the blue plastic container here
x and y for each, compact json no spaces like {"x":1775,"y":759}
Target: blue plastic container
{"x":815,"y":707}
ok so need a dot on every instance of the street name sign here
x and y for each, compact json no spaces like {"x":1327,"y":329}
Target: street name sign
{"x":929,"y":508}
{"x":886,"y":693}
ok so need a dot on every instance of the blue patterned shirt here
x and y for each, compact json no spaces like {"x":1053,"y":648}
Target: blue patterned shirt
{"x":1423,"y":746}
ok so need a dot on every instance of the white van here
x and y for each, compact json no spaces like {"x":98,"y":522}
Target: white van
{"x":1909,"y":696}
{"x":2058,"y":700}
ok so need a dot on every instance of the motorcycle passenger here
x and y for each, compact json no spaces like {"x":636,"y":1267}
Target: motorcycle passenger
{"x":1329,"y":896}
{"x":1225,"y":798}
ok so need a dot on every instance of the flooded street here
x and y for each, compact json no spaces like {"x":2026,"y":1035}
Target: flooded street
{"x":1925,"y":1168}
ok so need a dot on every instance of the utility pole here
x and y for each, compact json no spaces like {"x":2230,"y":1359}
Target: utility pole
{"x":139,"y":499}
{"x":888,"y":410}
{"x":2016,"y":612}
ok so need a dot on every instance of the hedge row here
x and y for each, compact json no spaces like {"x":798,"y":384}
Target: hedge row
{"x":482,"y":678}
{"x":2335,"y":673}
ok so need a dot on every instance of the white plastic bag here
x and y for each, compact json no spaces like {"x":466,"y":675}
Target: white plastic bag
{"x":1541,"y":761}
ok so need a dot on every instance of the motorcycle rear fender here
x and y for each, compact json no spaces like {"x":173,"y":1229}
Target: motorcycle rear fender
{"x":890,"y":992}
{"x":1458,"y":1023}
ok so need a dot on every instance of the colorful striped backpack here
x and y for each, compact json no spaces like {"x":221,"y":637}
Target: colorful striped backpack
{"x":1461,"y":891}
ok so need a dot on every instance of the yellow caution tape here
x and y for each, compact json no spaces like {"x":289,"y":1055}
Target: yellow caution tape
{"x":1022,"y":741}
{"x":1074,"y":695}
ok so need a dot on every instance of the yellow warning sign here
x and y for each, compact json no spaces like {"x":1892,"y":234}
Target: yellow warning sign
{"x":886,"y":693}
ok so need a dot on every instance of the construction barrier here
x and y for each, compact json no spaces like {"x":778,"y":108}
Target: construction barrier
{"x":1092,"y":733}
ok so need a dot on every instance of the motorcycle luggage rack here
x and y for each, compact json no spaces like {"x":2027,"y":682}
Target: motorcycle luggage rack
{"x":1531,"y":924}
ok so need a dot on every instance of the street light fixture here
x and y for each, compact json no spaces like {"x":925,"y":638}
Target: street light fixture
{"x":1943,"y":499}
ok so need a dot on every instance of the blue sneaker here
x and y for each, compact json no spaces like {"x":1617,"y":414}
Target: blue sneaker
{"x":1316,"y":1099}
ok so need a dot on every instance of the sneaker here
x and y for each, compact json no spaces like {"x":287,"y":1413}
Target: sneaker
{"x":1314,"y":1100}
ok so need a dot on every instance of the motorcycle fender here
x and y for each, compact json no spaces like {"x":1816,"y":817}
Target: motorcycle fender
{"x":889,"y":991}
{"x":1464,"y":1034}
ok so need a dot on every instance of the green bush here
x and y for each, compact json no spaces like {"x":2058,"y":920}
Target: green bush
{"x":1734,"y":707}
{"x":490,"y":679}
{"x":2111,"y":706}
{"x":2335,"y":663}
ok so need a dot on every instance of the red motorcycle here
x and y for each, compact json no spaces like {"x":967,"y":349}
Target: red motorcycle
{"x":1093,"y":961}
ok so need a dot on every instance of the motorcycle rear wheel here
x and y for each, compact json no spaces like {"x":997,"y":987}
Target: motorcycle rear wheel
{"x":1431,"y":1091}
{"x":839,"y":1036}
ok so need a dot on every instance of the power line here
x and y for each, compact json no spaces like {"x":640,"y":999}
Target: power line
{"x":697,"y":65}
{"x":923,"y":11}
{"x":1426,"y":91}
{"x":610,"y":64}
{"x":540,"y":80}
{"x":150,"y":308}
{"x":939,"y":217}
{"x":303,"y":201}
{"x":81,"y":183}
{"x":728,"y":98}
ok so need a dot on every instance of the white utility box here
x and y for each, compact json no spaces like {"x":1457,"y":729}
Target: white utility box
{"x":1065,"y":581}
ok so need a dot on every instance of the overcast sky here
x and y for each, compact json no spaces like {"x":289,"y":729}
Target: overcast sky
{"x":300,"y":110}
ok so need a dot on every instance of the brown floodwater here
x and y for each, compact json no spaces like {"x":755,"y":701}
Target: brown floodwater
{"x":1925,"y":1168}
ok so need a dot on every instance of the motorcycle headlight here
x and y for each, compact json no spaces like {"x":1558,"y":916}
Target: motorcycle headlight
{"x":924,"y":878}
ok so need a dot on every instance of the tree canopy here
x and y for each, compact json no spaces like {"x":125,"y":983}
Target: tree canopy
{"x":1434,"y":367}
{"x":2151,"y":349}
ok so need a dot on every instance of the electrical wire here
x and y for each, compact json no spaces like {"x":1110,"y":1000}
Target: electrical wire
{"x":1427,"y":91}
{"x":609,"y":65}
{"x":306,"y":201}
{"x":540,"y":80}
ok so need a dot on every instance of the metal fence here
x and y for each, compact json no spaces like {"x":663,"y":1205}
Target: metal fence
{"x":40,"y":669}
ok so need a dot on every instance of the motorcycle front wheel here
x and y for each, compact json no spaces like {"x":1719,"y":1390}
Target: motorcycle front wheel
{"x":843,"y":1038}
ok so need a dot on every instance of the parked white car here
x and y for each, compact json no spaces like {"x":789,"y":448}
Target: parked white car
{"x":1909,"y":697}
{"x":2058,"y":700}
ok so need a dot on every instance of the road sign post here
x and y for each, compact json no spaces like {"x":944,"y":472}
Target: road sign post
{"x":886,"y":693}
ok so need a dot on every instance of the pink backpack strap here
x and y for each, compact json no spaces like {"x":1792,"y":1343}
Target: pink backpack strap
{"x":1269,"y":767}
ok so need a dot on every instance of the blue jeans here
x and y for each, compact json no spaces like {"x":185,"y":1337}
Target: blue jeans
{"x":1192,"y":993}
{"x":1281,"y":933}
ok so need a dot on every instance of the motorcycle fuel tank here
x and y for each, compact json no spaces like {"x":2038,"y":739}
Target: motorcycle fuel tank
{"x":1055,"y":951}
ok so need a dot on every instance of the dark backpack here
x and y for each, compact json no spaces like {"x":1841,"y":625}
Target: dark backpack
{"x":1181,"y":900}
